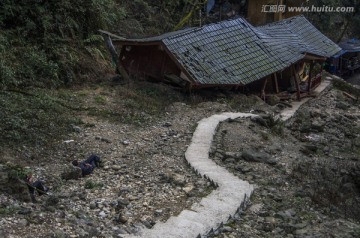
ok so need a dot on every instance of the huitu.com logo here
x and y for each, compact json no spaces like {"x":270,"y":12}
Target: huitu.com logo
{"x":324,"y":9}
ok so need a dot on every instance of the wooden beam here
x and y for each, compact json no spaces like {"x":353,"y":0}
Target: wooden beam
{"x":281,"y":13}
{"x":298,"y":94}
{"x":162,"y":70}
{"x":114,"y":55}
{"x":263,"y":89}
{"x":314,"y":57}
{"x":190,"y":79}
{"x":112,"y":35}
{"x":350,"y":96}
{"x":310,"y":76}
{"x":276,"y":83}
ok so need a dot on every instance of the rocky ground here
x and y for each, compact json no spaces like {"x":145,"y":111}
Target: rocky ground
{"x":144,"y":178}
{"x":305,"y":173}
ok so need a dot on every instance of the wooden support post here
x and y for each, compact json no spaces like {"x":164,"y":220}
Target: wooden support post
{"x":162,"y":70}
{"x":276,"y":83}
{"x":119,"y":68}
{"x":310,"y":76}
{"x":298,"y":95}
{"x":263,"y":95}
{"x":280,"y":12}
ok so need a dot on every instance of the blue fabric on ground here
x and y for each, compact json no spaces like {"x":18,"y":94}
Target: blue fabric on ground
{"x":88,"y":166}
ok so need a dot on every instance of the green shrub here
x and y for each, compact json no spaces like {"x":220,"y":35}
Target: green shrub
{"x":16,"y":171}
{"x":93,"y":185}
{"x":8,"y":210}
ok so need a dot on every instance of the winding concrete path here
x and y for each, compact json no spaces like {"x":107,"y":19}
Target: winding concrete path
{"x":231,"y":192}
{"x":221,"y":203}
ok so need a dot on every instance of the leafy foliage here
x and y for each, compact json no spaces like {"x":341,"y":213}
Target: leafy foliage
{"x":49,"y":20}
{"x":345,"y":23}
{"x":42,"y":41}
{"x":16,"y":171}
{"x":152,"y":17}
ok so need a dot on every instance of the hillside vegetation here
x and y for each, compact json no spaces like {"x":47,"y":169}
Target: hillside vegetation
{"x":47,"y":45}
{"x":55,"y":44}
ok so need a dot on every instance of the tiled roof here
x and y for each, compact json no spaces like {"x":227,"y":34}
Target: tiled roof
{"x":235,"y":52}
{"x":299,"y":34}
{"x":225,"y":53}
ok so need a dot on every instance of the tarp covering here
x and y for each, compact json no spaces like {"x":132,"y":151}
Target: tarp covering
{"x":348,"y":46}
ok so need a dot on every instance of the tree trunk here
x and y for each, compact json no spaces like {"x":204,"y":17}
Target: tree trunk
{"x":343,"y":31}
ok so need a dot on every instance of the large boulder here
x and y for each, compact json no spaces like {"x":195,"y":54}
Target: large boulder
{"x":272,"y":100}
{"x":71,"y":172}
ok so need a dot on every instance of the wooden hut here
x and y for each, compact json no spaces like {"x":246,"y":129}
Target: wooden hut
{"x":231,"y":54}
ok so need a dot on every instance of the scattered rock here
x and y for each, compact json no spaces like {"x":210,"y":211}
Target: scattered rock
{"x":123,"y":202}
{"x":76,"y":128}
{"x":167,"y":124}
{"x":287,"y":214}
{"x":122,"y":219}
{"x":92,"y":205}
{"x":158,"y":212}
{"x":25,"y":211}
{"x":232,"y":155}
{"x":102,"y":214}
{"x":188,"y":188}
{"x":227,"y":229}
{"x":71,"y":172}
{"x":317,"y":126}
{"x":272,"y":100}
{"x":147,"y":224}
{"x":52,"y":201}
{"x":342,"y":105}
{"x":255,"y":209}
{"x":23,"y":222}
{"x":105,"y":140}
{"x":252,"y":156}
{"x":179,"y":179}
